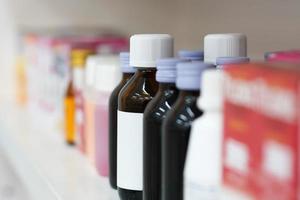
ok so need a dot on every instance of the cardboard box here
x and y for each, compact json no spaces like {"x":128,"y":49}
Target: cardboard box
{"x":261,"y":130}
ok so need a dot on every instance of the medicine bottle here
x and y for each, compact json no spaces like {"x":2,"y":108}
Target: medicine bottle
{"x":176,"y":128}
{"x":89,"y":107}
{"x":127,"y":73}
{"x":154,"y":115}
{"x":202,"y":173}
{"x":107,"y":77}
{"x":145,"y":49}
{"x":73,"y":101}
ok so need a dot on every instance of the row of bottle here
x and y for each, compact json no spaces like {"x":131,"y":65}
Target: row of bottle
{"x":146,"y":123}
{"x":155,"y":117}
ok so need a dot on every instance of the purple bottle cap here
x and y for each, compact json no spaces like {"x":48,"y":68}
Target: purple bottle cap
{"x":189,"y":74}
{"x":196,"y":55}
{"x":166,"y":69}
{"x":231,"y":60}
{"x":124,"y":62}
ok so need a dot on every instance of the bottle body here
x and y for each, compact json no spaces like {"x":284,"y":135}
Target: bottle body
{"x":101,"y":134}
{"x":69,"y":104}
{"x":175,"y":137}
{"x":132,"y":101}
{"x":89,"y":110}
{"x":202,"y":175}
{"x":154,"y":115}
{"x":113,"y":109}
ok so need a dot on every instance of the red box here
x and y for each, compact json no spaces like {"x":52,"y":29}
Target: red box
{"x":261,"y":130}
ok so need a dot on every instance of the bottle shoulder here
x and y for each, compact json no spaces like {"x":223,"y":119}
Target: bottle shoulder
{"x":115,"y":93}
{"x":182,"y":114}
{"x":160,"y":104}
{"x":137,"y":93}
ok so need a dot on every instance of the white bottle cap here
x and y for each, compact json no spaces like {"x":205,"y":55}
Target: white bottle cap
{"x":211,"y":93}
{"x":146,"y":49}
{"x":224,"y":45}
{"x":107,"y":73}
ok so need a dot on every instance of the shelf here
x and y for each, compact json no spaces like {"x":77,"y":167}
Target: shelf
{"x":49,"y":168}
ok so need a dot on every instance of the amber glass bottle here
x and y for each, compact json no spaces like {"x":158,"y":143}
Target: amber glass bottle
{"x":145,"y":49}
{"x":69,"y":102}
{"x":154,"y":115}
{"x":176,"y":128}
{"x":73,"y":97}
{"x":128,"y":72}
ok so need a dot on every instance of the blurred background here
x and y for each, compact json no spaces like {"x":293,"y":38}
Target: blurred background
{"x":269,"y":24}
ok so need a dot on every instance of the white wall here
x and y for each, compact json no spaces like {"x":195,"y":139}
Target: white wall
{"x":269,"y":24}
{"x":7,"y":49}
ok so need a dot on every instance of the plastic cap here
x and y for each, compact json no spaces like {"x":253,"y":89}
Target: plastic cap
{"x":211,"y":91}
{"x":90,"y":69}
{"x":146,"y":49}
{"x":124,"y":62}
{"x":166,"y":69}
{"x":107,"y":73}
{"x":224,"y":45}
{"x":196,"y":55}
{"x":189,"y":74}
{"x":231,"y":60}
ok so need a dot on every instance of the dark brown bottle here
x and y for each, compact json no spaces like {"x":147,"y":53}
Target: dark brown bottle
{"x":154,"y":115}
{"x":128,"y":72}
{"x":133,"y":98}
{"x":145,"y":49}
{"x":176,"y":128}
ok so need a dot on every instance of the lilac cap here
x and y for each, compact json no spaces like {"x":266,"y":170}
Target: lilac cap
{"x":231,"y":60}
{"x":189,"y":74}
{"x":166,"y":69}
{"x":191,"y":55}
{"x":124,"y":62}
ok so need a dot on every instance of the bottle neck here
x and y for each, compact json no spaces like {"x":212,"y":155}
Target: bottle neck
{"x":146,"y":72}
{"x":145,"y":69}
{"x":185,"y":93}
{"x":166,"y":86}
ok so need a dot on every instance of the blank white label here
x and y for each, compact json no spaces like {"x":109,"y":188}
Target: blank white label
{"x":130,"y":151}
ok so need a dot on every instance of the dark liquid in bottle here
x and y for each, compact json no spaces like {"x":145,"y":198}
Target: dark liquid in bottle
{"x":175,"y":137}
{"x":113,"y":123}
{"x":154,"y":115}
{"x":134,"y":97}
